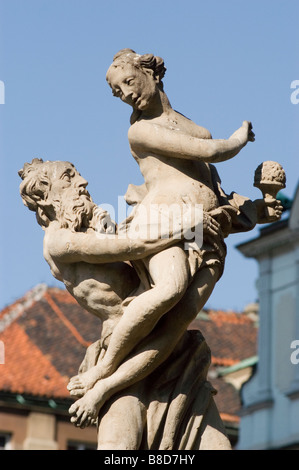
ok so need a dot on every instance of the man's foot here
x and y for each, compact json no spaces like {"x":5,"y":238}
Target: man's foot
{"x":81,"y":383}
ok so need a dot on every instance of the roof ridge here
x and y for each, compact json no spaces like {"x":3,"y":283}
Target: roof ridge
{"x":32,"y":296}
{"x":230,"y":417}
{"x":224,"y":360}
{"x":229,"y":316}
{"x":47,"y":296}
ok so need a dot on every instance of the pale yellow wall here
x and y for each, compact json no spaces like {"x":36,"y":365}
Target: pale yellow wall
{"x":68,"y":432}
{"x":16,"y":425}
{"x":42,"y":431}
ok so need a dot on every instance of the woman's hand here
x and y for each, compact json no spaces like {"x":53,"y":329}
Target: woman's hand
{"x":244,"y":134}
{"x":268,"y":211}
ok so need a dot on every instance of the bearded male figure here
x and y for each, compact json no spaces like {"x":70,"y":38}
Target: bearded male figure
{"x":157,"y":397}
{"x":93,"y":271}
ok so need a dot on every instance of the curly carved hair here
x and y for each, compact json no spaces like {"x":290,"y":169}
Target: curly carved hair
{"x":143,"y":62}
{"x":35,"y":188}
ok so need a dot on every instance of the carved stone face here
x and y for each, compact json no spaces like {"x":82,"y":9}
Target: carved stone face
{"x":68,"y":195}
{"x":132,"y":85}
{"x":63,"y":176}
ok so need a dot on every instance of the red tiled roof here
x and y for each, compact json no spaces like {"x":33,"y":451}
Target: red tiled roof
{"x":230,"y":418}
{"x":231,"y":337}
{"x":63,"y":318}
{"x":223,"y":361}
{"x":26,"y":369}
{"x":46,"y":333}
{"x":45,"y":339}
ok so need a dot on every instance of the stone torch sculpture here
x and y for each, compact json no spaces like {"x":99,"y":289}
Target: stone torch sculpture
{"x":270,"y":178}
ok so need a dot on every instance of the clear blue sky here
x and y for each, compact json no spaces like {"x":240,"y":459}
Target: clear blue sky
{"x":226,"y":61}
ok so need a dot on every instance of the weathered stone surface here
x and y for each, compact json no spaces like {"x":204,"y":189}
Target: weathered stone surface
{"x":144,"y":382}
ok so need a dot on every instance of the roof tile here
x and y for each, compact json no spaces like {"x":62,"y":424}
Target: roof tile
{"x":46,"y":333}
{"x":26,"y":369}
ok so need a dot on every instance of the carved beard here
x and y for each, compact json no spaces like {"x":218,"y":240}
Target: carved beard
{"x":75,"y":210}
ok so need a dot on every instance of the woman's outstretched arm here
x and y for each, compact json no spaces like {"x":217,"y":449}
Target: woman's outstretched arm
{"x":149,"y":138}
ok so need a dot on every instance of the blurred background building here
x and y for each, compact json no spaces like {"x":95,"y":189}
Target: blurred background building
{"x":270,"y":411}
{"x":46,"y":334}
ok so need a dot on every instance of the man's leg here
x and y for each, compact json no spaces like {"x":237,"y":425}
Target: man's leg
{"x":214,"y":435}
{"x":122,"y":421}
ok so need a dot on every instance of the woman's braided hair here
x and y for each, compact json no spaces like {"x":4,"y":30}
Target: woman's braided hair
{"x":145,"y":61}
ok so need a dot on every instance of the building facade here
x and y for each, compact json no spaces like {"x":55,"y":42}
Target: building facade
{"x":270,"y":411}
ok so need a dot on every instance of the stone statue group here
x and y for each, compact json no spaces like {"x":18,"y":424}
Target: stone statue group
{"x":144,"y":382}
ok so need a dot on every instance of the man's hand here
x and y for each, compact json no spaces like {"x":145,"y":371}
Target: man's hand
{"x":210,"y":225}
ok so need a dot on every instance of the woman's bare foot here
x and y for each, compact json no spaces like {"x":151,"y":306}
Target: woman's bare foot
{"x":85,"y":410}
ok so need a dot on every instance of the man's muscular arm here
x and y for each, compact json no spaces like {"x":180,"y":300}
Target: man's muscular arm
{"x":72,"y":247}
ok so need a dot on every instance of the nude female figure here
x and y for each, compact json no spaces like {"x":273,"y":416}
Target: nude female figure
{"x":174,"y":157}
{"x":173,"y":154}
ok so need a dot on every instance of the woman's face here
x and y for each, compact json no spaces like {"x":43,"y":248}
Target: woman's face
{"x":132,"y":85}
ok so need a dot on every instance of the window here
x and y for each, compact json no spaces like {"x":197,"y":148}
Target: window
{"x":81,"y":446}
{"x":5,"y":440}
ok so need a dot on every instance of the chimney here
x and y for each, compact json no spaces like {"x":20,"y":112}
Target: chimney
{"x":252,"y":311}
